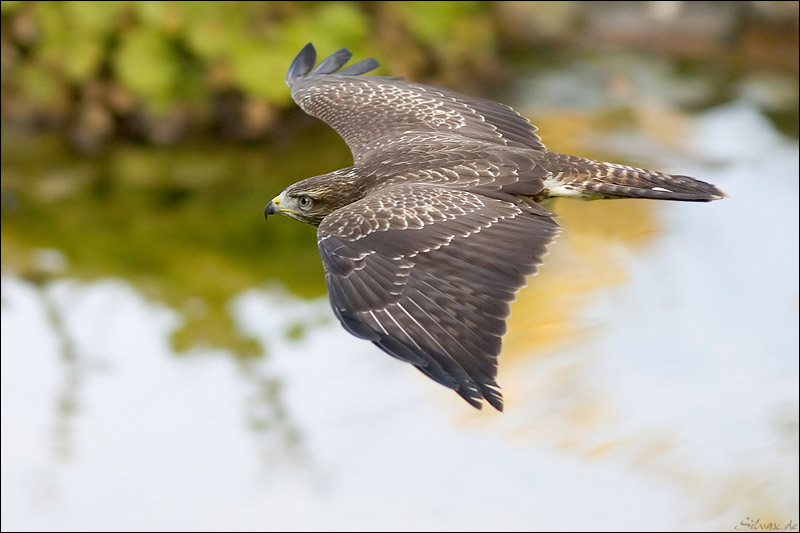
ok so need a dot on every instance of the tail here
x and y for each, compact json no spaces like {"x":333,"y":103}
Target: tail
{"x":575,"y":176}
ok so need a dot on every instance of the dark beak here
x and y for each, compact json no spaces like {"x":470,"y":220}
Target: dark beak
{"x":270,"y":210}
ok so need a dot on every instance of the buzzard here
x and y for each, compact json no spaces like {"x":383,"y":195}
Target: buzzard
{"x":427,"y":238}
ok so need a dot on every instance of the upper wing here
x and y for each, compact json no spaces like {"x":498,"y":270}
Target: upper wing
{"x":427,"y":274}
{"x":364,"y":109}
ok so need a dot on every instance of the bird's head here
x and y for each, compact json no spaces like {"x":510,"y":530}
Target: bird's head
{"x":312,"y":199}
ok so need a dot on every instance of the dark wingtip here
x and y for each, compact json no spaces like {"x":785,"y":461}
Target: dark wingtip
{"x":334,"y":62}
{"x":303,"y":63}
{"x":470,"y":399}
{"x":362,"y":67}
{"x":493,"y":395}
{"x":474,"y":396}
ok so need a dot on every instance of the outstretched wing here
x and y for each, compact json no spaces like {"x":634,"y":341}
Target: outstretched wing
{"x":427,"y":274}
{"x":363,"y":110}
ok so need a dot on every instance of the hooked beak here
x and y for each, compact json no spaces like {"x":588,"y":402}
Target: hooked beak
{"x":273,"y":207}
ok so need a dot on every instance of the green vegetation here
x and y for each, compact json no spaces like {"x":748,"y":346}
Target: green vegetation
{"x":168,"y":71}
{"x":162,"y":70}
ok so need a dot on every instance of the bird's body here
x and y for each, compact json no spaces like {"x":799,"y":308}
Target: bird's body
{"x":427,"y":238}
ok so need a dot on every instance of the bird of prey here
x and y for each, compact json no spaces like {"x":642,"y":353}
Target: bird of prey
{"x":427,"y":238}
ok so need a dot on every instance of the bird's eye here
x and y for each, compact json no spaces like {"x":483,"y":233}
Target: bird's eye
{"x":304,"y":202}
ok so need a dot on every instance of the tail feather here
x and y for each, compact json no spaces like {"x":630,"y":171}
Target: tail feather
{"x":574,"y":176}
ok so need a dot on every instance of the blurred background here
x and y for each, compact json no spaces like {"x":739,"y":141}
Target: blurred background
{"x":170,"y":361}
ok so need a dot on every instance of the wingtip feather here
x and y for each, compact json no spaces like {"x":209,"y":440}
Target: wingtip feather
{"x":362,"y":67}
{"x":334,"y":62}
{"x":302,"y":63}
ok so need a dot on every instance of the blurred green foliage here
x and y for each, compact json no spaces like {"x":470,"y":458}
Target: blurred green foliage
{"x":165,"y":71}
{"x":105,"y":68}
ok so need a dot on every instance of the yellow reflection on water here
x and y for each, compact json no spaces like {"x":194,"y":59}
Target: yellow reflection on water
{"x":584,"y":258}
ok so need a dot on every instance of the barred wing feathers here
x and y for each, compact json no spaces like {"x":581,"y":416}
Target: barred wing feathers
{"x":427,"y":273}
{"x":365,"y":108}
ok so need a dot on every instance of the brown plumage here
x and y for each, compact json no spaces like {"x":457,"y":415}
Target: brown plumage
{"x":427,"y":238}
